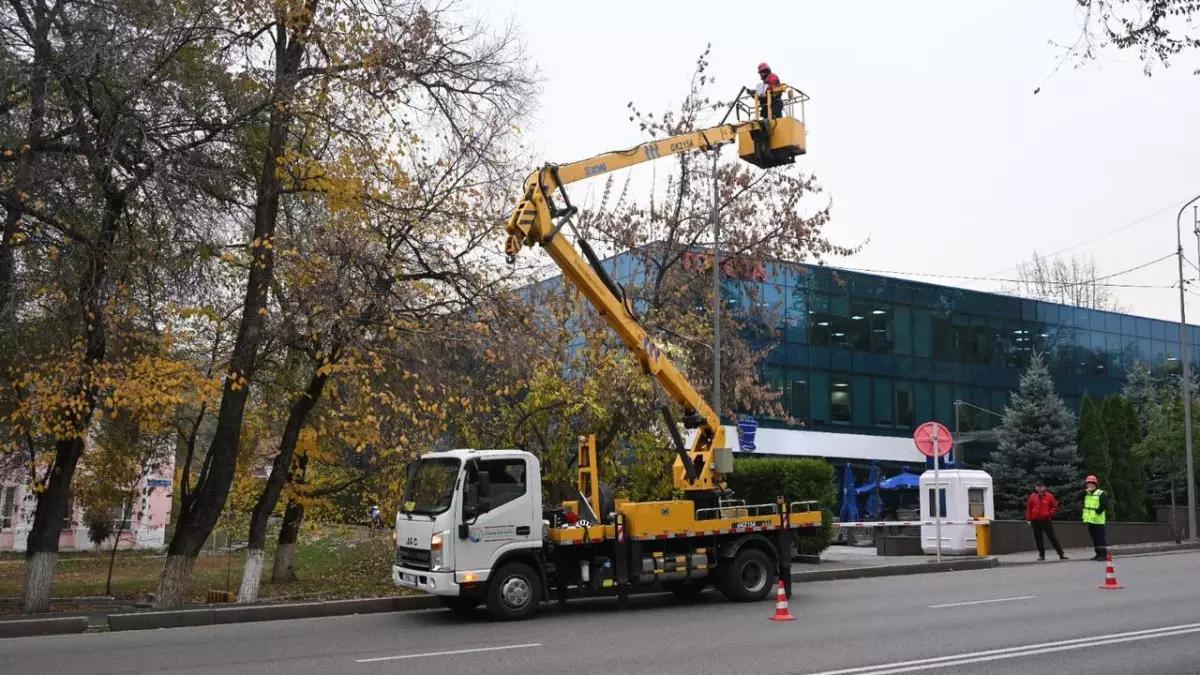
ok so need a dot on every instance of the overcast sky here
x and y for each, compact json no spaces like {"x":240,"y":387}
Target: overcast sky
{"x":923,"y":125}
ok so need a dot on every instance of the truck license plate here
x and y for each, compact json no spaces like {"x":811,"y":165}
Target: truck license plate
{"x":409,"y":578}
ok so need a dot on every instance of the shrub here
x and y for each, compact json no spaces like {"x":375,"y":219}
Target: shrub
{"x":760,"y":480}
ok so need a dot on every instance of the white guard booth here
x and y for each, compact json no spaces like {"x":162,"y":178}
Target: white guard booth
{"x":967,"y":494}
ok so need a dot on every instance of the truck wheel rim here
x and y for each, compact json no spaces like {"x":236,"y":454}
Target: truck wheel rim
{"x":515,"y":592}
{"x":753,"y":576}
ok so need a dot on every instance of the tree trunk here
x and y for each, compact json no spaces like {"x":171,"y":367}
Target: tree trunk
{"x":203,"y":506}
{"x":52,"y":507}
{"x":259,"y":518}
{"x":285,"y":552}
{"x":42,"y":545}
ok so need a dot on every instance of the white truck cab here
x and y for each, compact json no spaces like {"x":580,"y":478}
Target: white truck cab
{"x":464,"y":514}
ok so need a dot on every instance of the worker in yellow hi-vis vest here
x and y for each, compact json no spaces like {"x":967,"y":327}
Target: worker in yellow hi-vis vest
{"x":1095,"y":510}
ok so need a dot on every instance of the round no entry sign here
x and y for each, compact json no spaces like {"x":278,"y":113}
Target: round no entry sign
{"x":923,"y":437}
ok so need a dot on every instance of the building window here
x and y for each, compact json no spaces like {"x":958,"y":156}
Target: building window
{"x":881,"y":329}
{"x":860,"y":327}
{"x":8,"y":506}
{"x":840,"y":407}
{"x":799,"y":401}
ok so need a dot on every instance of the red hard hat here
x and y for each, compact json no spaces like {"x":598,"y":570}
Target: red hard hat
{"x":763,"y":66}
{"x":1092,"y":479}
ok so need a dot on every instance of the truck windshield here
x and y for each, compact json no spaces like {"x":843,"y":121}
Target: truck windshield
{"x":430,"y":488}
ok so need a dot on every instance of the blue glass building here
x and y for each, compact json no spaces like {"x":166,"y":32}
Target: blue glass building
{"x":862,"y":360}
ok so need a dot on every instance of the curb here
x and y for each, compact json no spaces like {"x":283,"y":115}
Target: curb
{"x":1119,"y":552}
{"x":32,"y":627}
{"x":1155,"y":548}
{"x":897,"y":570}
{"x":301,"y":610}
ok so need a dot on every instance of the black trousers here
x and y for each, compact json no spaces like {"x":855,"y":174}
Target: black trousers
{"x":1045,"y":527}
{"x":1099,"y":539}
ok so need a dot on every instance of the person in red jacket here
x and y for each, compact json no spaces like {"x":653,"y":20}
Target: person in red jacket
{"x":1039,"y":513}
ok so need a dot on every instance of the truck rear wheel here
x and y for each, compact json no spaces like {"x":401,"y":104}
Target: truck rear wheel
{"x":514,"y":592}
{"x":748,"y":577}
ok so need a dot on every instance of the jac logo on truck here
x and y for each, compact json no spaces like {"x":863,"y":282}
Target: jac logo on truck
{"x":411,"y":541}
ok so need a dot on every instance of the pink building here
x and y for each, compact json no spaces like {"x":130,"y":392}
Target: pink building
{"x":144,"y":526}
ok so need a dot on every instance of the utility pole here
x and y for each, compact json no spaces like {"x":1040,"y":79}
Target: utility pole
{"x":716,"y":265}
{"x":1187,"y":377}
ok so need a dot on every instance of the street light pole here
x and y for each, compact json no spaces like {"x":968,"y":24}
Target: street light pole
{"x":1187,"y":377}
{"x":716,"y":218}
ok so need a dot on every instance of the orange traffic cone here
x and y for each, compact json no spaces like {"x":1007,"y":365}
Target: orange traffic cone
{"x":781,"y":608}
{"x":1110,"y":578}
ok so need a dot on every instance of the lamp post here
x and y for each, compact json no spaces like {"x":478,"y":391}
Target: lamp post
{"x":716,"y":263}
{"x":1187,"y":377}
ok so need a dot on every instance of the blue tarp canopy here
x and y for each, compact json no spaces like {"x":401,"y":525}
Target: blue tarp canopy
{"x":904,"y":480}
{"x":849,"y":510}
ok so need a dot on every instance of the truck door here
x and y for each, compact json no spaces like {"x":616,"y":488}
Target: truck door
{"x":497,"y":511}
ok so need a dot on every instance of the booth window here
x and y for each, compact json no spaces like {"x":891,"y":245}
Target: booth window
{"x":975,"y":507}
{"x":933,"y":510}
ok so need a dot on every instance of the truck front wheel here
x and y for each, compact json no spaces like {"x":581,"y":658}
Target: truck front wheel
{"x":514,"y":592}
{"x":748,"y":577}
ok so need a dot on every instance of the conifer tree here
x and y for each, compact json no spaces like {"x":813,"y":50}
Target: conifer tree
{"x":1093,"y":444}
{"x":1037,"y":442}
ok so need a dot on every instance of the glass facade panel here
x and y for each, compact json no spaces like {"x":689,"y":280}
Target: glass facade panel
{"x":841,"y":400}
{"x":885,"y":415}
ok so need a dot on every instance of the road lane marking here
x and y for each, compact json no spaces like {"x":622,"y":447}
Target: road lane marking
{"x":1014,"y":652}
{"x":982,"y":602}
{"x":448,"y":653}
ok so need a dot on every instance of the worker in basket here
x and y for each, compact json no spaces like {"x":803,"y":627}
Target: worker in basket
{"x":771,"y":90}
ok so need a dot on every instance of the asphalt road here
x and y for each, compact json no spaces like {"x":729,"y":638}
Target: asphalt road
{"x":1043,"y":618}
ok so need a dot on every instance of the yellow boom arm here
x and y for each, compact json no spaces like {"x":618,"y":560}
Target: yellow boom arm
{"x":766,"y":142}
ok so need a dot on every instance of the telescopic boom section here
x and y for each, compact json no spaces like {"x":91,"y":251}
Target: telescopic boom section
{"x":765,"y":142}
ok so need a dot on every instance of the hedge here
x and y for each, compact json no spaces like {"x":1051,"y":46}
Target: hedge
{"x":760,"y":480}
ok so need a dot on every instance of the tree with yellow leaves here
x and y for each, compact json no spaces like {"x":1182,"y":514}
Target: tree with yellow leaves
{"x":96,"y":132}
{"x":368,"y":71}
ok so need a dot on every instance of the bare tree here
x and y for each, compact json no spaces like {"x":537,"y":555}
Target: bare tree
{"x":1073,"y":281}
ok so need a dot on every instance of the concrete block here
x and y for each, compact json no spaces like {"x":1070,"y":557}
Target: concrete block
{"x":58,"y":625}
{"x":164,"y":619}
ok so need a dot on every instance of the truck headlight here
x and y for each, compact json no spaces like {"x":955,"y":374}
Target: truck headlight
{"x":436,"y":559}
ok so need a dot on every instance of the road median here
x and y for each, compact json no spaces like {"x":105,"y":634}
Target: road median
{"x":208,"y":616}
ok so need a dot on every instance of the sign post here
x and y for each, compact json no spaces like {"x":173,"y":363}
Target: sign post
{"x":934,"y":440}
